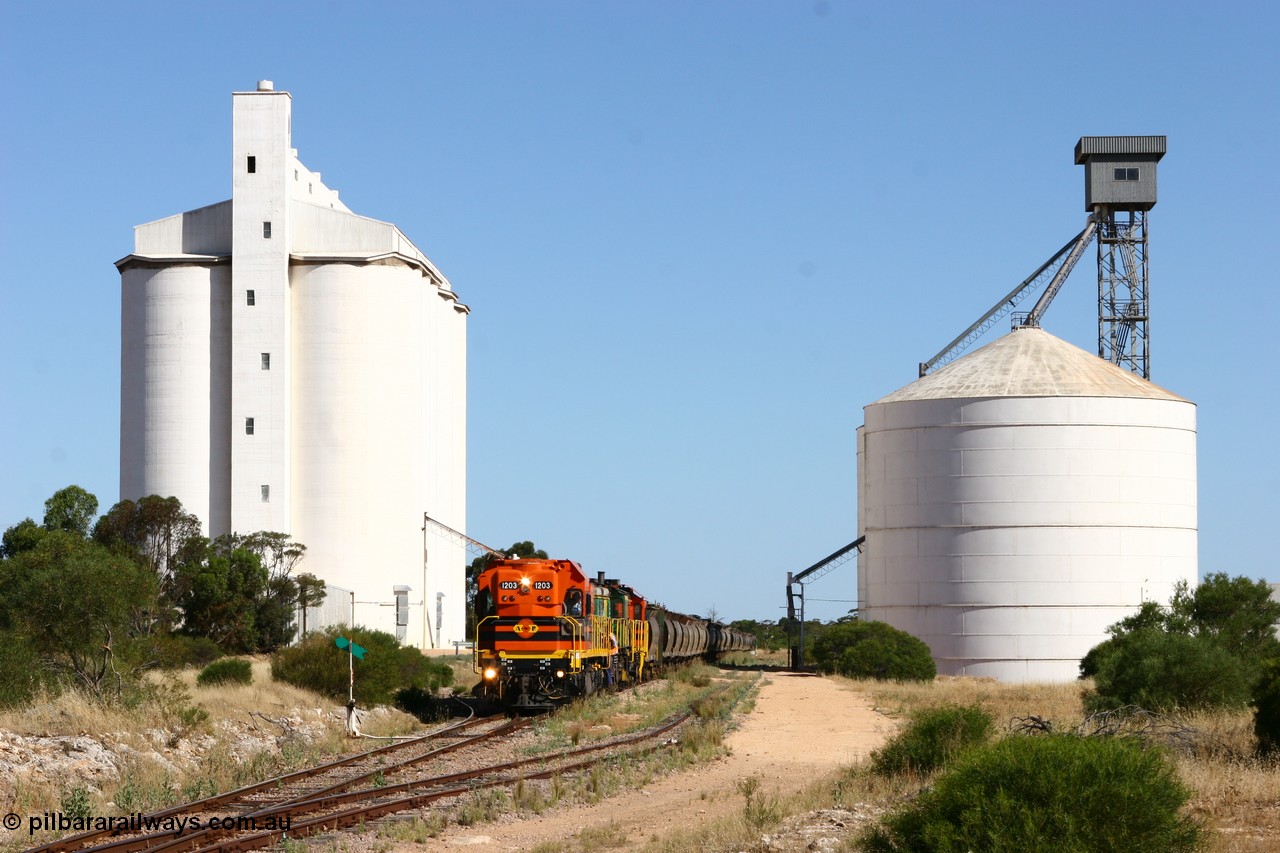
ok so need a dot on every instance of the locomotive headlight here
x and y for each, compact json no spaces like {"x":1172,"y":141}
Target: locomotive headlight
{"x":490,"y":674}
{"x":559,"y":673}
{"x":524,"y":585}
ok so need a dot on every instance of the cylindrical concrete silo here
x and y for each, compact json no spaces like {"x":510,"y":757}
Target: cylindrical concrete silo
{"x":1019,"y":501}
{"x":170,"y":378}
{"x":357,"y":410}
{"x":373,"y":374}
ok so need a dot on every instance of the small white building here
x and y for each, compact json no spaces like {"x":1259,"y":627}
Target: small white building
{"x":289,"y":365}
{"x":1019,"y":501}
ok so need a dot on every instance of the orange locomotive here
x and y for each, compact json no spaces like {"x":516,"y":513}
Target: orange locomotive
{"x":546,"y":633}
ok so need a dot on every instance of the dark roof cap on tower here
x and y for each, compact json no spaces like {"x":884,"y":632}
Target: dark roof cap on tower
{"x":1119,"y":145}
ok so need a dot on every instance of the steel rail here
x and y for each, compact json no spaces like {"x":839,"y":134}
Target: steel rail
{"x":76,"y":842}
{"x":353,"y":816}
{"x":167,"y":842}
{"x":145,"y":842}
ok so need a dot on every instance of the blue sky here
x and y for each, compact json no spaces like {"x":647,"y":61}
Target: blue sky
{"x":697,"y":237}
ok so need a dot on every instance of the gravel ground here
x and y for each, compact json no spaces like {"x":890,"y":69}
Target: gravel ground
{"x":801,"y":726}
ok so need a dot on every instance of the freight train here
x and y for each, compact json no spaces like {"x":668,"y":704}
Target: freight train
{"x":547,"y":633}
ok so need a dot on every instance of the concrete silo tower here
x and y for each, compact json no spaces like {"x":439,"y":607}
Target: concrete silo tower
{"x":1021,"y":499}
{"x":289,"y":365}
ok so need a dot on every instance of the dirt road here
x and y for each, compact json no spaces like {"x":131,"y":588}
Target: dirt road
{"x":800,"y":726}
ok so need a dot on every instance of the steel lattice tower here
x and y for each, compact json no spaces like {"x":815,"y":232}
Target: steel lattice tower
{"x":1124,"y":334}
{"x":1120,"y":187}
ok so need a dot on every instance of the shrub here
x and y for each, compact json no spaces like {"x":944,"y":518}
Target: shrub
{"x":1266,"y":716}
{"x":226,"y":671}
{"x":873,"y":650}
{"x":1059,"y":792}
{"x":176,"y":651}
{"x":1092,"y":661}
{"x":932,"y":739}
{"x":1159,"y":671}
{"x":317,"y":664}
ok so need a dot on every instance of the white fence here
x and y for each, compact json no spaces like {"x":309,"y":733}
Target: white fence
{"x":334,"y":610}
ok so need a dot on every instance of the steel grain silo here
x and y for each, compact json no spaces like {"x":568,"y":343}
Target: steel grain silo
{"x":1019,"y":501}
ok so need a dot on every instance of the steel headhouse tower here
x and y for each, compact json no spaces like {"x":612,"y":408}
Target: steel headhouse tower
{"x":1120,"y":187}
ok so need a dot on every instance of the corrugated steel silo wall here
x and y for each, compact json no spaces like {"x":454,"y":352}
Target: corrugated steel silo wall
{"x":1008,"y":533}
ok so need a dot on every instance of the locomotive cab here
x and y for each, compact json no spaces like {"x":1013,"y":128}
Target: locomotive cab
{"x":546,"y":633}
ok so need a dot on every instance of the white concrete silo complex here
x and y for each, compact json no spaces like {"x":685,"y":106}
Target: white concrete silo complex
{"x":1019,"y":501}
{"x":289,"y":365}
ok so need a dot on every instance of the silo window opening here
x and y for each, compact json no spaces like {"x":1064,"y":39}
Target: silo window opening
{"x":308,"y":187}
{"x":266,"y":230}
{"x":266,"y":361}
{"x":1127,"y":174}
{"x":266,"y":494}
{"x":248,"y":297}
{"x":295,"y":174}
{"x":253,"y":164}
{"x":248,"y":426}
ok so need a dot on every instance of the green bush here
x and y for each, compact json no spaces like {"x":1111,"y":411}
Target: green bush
{"x":176,"y":651}
{"x":1059,"y":792}
{"x":1266,"y":716}
{"x":932,"y":739}
{"x":1161,"y":671}
{"x":226,"y":671}
{"x":873,"y":650}
{"x":317,"y":664}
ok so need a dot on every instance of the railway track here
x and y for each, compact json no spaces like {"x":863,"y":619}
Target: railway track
{"x":338,"y":794}
{"x":297,"y":786}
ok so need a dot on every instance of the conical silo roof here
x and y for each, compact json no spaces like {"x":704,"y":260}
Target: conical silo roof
{"x":1029,"y":362}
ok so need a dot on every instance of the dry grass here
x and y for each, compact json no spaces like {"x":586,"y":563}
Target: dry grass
{"x":604,"y":714}
{"x":462,"y":665}
{"x":1236,"y":796}
{"x":1057,"y":702}
{"x":184,"y":741}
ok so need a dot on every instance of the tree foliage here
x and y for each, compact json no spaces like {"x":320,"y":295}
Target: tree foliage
{"x":770,"y":635}
{"x":218,"y":596}
{"x":1266,"y":701}
{"x":317,"y":664}
{"x":277,"y":552}
{"x":311,"y":593}
{"x":237,"y":591}
{"x":1162,"y":671}
{"x":71,"y":509}
{"x":1204,"y":650}
{"x":1237,"y":614}
{"x":155,"y":532}
{"x":80,"y":611}
{"x":877,"y":650}
{"x":23,"y":536}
